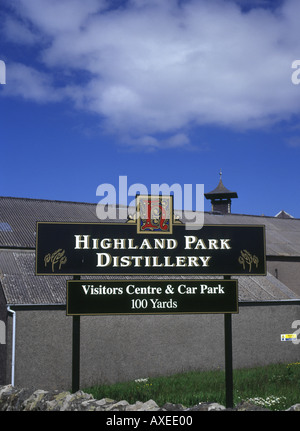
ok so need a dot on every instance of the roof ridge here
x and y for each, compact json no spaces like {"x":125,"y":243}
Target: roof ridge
{"x":48,"y":200}
{"x":118,"y":205}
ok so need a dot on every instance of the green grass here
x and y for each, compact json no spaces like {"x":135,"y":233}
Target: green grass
{"x":276,"y":387}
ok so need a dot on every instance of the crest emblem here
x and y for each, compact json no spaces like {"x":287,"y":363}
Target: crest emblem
{"x":154,"y":214}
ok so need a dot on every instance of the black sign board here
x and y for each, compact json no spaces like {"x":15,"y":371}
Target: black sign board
{"x":114,"y":248}
{"x":94,"y":297}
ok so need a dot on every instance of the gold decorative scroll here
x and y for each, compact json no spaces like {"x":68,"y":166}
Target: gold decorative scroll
{"x":247,"y":258}
{"x":57,"y":257}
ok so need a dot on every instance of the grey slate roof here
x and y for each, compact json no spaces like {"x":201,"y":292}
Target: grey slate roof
{"x":21,"y":215}
{"x":220,"y":192}
{"x":283,"y":214}
{"x":18,"y":217}
{"x":21,"y":286}
{"x":282,"y":235}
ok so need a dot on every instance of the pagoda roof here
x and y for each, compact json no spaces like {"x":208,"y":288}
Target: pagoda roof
{"x":220,"y":192}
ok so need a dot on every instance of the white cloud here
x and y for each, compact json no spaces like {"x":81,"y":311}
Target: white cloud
{"x":158,"y":67}
{"x":54,"y":17}
{"x":30,"y":84}
{"x":16,"y":31}
{"x":150,"y":143}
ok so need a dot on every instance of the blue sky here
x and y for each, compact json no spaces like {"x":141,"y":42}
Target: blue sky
{"x":159,"y":91}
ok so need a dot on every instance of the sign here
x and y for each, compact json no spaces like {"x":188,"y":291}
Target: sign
{"x":288,"y":337}
{"x":101,"y":297}
{"x":121,"y":248}
{"x":171,"y":249}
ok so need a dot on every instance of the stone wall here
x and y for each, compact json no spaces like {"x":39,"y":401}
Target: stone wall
{"x":124,"y":348}
{"x":20,"y":399}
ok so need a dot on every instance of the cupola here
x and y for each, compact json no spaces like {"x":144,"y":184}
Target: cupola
{"x":220,"y":198}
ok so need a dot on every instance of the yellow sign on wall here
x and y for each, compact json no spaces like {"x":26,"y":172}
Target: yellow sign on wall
{"x":288,"y":337}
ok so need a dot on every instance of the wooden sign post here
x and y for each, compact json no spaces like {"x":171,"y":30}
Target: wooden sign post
{"x":76,"y":350}
{"x":228,"y":357}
